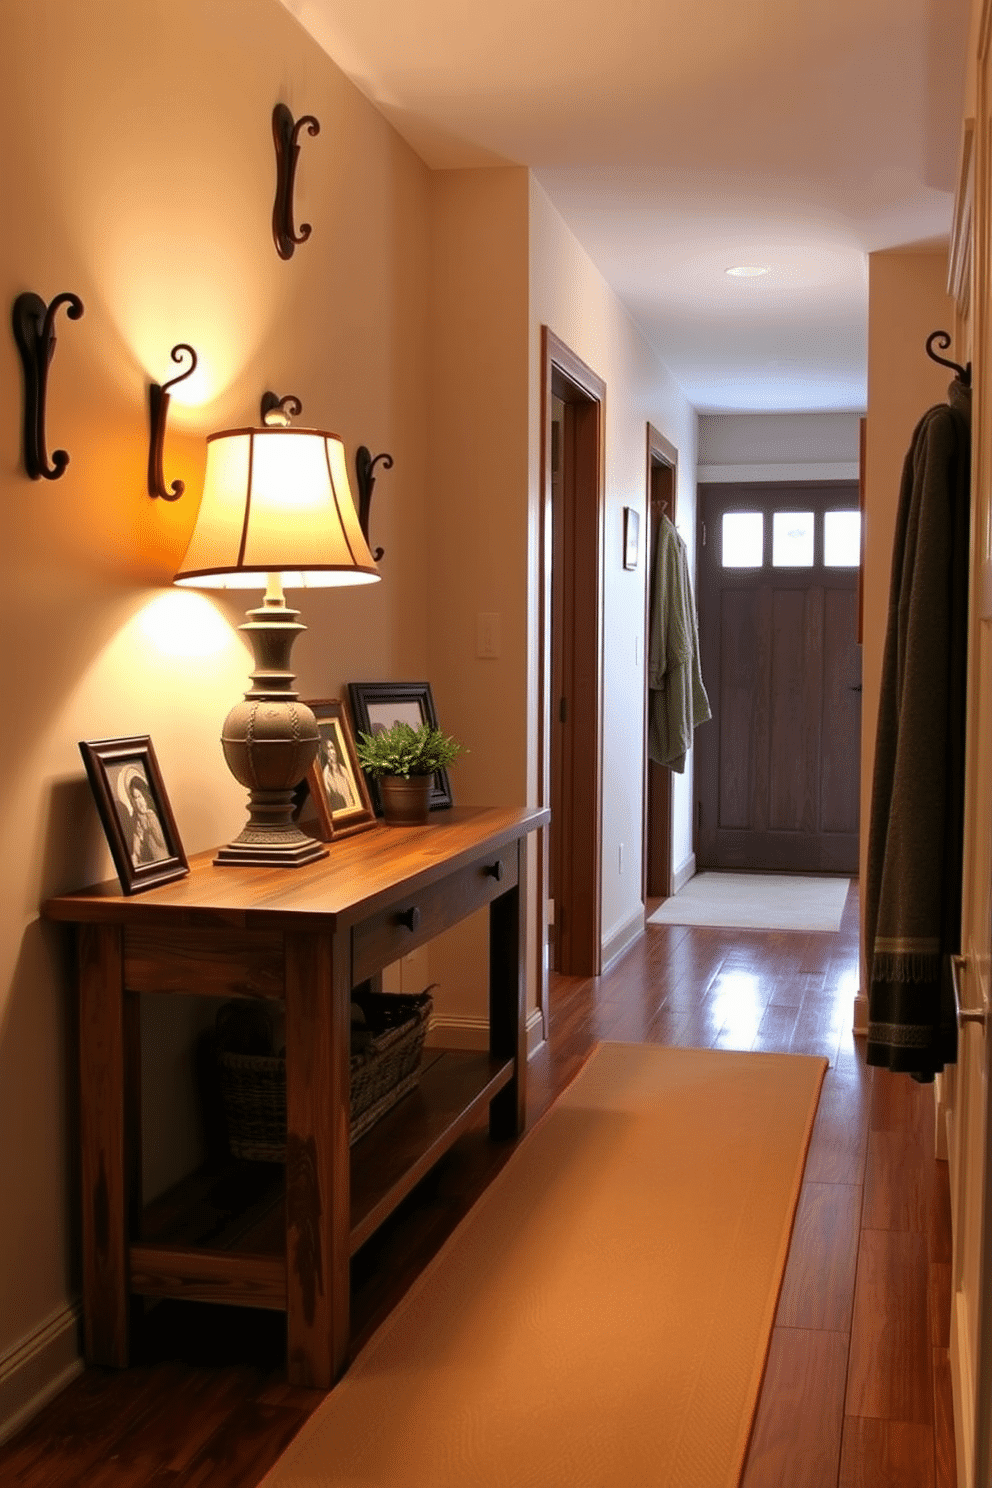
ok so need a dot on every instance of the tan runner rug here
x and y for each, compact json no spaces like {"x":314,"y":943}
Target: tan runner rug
{"x":601,"y":1317}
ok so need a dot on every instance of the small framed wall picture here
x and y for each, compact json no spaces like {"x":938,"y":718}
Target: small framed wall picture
{"x":631,"y":537}
{"x":134,"y":809}
{"x":378,"y":705}
{"x":339,"y":803}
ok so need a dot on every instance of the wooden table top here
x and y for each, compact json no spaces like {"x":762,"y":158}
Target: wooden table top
{"x":360,"y":874}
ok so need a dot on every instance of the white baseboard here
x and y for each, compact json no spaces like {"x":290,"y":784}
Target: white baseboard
{"x":621,"y":939}
{"x":682,"y":875}
{"x":35,"y":1370}
{"x":535,"y":1032}
{"x":458,"y":1033}
{"x":473,"y":1033}
{"x":860,"y":1027}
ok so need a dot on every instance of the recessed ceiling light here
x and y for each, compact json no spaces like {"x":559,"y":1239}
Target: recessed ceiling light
{"x":748,"y":271}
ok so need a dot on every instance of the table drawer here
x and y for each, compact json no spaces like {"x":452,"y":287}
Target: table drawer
{"x":204,"y":963}
{"x":387,"y":936}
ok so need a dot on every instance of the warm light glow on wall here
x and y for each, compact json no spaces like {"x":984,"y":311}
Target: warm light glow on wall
{"x":209,"y":283}
{"x":158,"y":294}
{"x":150,"y":334}
{"x":180,"y":622}
{"x":194,"y":391}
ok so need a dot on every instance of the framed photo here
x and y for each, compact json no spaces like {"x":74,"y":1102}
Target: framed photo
{"x":339,"y":794}
{"x":631,"y":536}
{"x":378,"y":705}
{"x":135,"y":812}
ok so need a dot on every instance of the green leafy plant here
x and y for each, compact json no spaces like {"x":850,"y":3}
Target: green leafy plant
{"x":406,"y":751}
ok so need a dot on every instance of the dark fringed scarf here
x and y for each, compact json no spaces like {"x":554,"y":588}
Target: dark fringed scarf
{"x":912,"y":902}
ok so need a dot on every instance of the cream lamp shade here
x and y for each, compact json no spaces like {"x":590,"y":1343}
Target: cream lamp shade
{"x":276,"y":500}
{"x":277,"y":510}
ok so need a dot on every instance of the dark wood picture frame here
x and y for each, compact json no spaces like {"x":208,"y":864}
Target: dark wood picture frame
{"x":378,"y":704}
{"x":355,"y":813}
{"x":135,"y":811}
{"x":631,"y":537}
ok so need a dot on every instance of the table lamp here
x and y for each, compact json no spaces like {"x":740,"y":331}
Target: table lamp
{"x":277,"y":512}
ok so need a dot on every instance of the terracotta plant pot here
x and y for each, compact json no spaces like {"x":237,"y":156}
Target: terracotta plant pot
{"x":405,"y":802}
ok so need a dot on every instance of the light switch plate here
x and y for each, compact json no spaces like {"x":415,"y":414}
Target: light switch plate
{"x":487,"y":642}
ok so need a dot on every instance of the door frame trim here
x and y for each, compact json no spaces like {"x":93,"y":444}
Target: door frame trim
{"x":562,"y":368}
{"x":659,"y":451}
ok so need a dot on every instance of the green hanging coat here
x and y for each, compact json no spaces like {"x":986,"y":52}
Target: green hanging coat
{"x":677,"y":698}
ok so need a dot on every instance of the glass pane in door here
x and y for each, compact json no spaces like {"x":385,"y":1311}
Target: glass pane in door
{"x":842,"y":539}
{"x":792,"y":540}
{"x":743,"y":539}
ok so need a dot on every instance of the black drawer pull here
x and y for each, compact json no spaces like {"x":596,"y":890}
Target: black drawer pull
{"x":409,"y":917}
{"x":495,"y":870}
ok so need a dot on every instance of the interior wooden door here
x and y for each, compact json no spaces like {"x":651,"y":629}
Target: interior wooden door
{"x":571,"y":656}
{"x":778,"y":767}
{"x":562,"y":579}
{"x":657,"y":855}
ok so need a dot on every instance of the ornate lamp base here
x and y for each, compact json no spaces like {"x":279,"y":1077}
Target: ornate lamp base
{"x":290,"y":849}
{"x":270,"y":740}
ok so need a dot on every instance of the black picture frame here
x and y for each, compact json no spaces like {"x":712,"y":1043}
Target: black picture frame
{"x":328,"y":816}
{"x":384,"y":703}
{"x":631,"y":537}
{"x":135,"y":811}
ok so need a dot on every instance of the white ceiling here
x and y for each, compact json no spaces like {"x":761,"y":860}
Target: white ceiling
{"x":678,"y":138}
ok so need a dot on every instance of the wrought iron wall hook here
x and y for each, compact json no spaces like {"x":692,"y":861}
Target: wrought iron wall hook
{"x":158,"y":407}
{"x":365,"y":476}
{"x":943,"y":340}
{"x":34,"y":332}
{"x":286,"y":133}
{"x":276,"y":411}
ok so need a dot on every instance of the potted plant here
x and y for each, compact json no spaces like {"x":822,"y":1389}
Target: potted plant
{"x":403,"y":760}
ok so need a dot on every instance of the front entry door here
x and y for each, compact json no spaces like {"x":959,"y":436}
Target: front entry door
{"x":777,"y":770}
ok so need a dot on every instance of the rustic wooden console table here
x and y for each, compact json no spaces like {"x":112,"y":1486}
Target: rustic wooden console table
{"x":305,"y":936}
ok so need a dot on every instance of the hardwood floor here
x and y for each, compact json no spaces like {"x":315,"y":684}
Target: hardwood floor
{"x":857,"y":1386}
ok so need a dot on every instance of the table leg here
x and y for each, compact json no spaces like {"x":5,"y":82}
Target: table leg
{"x":105,"y":1033}
{"x":507,"y":984}
{"x":318,"y":1214}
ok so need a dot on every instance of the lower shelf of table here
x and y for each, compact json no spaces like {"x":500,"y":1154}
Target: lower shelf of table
{"x":220,"y":1235}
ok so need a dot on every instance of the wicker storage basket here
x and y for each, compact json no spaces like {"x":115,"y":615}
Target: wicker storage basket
{"x":385,"y":1064}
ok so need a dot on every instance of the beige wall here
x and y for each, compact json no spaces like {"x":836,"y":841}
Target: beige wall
{"x":907,"y":299}
{"x":141,"y":178}
{"x":478,"y":400}
{"x":503,"y":264}
{"x":778,"y":446}
{"x":477,"y":561}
